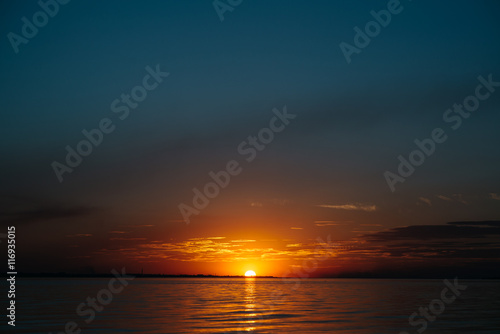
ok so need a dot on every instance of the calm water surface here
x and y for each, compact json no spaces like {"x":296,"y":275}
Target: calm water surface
{"x":261,"y":305}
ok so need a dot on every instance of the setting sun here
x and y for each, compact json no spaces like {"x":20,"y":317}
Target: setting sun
{"x":250,"y":273}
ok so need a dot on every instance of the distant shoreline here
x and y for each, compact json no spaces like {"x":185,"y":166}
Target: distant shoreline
{"x":67,"y":275}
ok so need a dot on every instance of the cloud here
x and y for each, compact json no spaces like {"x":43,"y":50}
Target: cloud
{"x":452,"y":230}
{"x":454,"y":245}
{"x":127,"y":239}
{"x":210,"y":250}
{"x":296,"y":228}
{"x":16,"y":210}
{"x":453,"y":197}
{"x":495,"y":196}
{"x":425,"y":200}
{"x":355,"y":206}
{"x":271,"y":202}
{"x":444,"y":198}
{"x":322,"y":223}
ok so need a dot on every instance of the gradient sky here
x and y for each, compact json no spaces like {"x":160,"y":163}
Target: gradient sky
{"x":322,"y":176}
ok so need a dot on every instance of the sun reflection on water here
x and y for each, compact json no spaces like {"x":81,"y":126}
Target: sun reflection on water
{"x":251,"y":315}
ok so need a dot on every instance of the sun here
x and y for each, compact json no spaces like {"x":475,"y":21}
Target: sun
{"x":250,"y":273}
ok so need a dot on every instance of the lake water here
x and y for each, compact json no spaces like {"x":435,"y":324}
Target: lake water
{"x":258,"y":305}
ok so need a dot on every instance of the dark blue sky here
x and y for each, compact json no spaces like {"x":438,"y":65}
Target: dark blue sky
{"x":353,"y":120}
